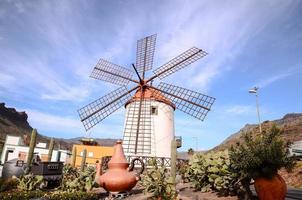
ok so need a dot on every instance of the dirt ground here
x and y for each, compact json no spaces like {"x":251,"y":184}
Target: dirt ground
{"x":294,"y":178}
{"x":185,"y":193}
{"x":188,"y":193}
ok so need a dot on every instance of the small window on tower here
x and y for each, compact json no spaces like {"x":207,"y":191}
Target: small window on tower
{"x":153,"y":110}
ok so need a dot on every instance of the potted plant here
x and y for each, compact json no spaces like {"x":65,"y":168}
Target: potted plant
{"x":260,"y":157}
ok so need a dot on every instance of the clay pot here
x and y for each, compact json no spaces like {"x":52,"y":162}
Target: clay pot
{"x":118,"y":177}
{"x":271,"y":189}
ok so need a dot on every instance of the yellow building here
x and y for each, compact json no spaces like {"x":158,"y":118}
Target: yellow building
{"x":94,"y":151}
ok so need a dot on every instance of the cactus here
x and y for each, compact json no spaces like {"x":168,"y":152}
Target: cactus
{"x":74,"y":155}
{"x":75,"y":180}
{"x":212,"y":171}
{"x":158,"y":183}
{"x":32,"y":145}
{"x":83,"y":160}
{"x":29,"y":182}
{"x":50,"y":150}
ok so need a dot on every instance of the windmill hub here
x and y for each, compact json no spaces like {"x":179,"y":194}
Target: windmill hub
{"x":142,"y":83}
{"x":149,"y":93}
{"x":149,"y":124}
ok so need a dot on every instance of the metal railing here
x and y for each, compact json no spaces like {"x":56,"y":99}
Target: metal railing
{"x":147,"y":160}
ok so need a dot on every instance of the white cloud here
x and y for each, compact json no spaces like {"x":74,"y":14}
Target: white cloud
{"x":72,"y":127}
{"x":46,"y":121}
{"x":7,"y":81}
{"x":277,"y":77}
{"x":241,"y":110}
{"x":222,"y":29}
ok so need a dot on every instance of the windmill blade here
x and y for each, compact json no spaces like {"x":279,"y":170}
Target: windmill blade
{"x":179,"y":62}
{"x":101,"y":108}
{"x":138,"y":128}
{"x":112,"y":73}
{"x":145,"y":53}
{"x":193,"y":103}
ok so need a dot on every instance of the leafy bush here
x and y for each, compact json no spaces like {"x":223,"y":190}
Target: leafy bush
{"x":8,"y":184}
{"x":71,"y":196}
{"x":27,"y":195}
{"x":75,"y":180}
{"x":182,"y":168}
{"x":190,"y":151}
{"x":212,"y":171}
{"x":261,"y":155}
{"x":21,"y":195}
{"x":158,"y":183}
{"x":29,"y":182}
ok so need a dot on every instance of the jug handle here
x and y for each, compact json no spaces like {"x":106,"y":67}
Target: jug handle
{"x":19,"y":163}
{"x":132,"y":164}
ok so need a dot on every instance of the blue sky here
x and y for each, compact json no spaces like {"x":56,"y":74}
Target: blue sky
{"x":49,"y":48}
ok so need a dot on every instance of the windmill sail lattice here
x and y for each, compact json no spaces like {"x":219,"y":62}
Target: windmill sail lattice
{"x":149,"y":124}
{"x":112,"y":73}
{"x":180,"y":62}
{"x":145,"y":54}
{"x":145,"y":126}
{"x":101,"y":108}
{"x":193,"y":103}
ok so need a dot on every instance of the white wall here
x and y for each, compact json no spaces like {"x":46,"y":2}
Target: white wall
{"x":15,"y":140}
{"x":163,"y":130}
{"x":16,"y":149}
{"x":161,"y":133}
{"x":14,"y":143}
{"x":296,"y":145}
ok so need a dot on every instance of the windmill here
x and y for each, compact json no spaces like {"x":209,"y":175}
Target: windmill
{"x":149,"y":123}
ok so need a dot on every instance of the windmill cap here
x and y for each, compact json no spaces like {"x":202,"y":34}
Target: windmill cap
{"x":150,"y":94}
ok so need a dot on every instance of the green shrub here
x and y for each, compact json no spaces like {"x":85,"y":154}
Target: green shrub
{"x":20,"y":195}
{"x":261,"y":155}
{"x":29,"y":182}
{"x":8,"y":184}
{"x":182,"y":168}
{"x":71,"y":196}
{"x":212,"y":171}
{"x":76,"y":180}
{"x":57,"y":195}
{"x":158,"y":182}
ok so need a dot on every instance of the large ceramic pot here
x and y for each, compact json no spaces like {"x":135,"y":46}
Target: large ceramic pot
{"x":119,"y":177}
{"x":271,"y":189}
{"x":14,"y":167}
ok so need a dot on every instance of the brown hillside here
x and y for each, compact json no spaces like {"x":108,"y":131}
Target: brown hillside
{"x":291,"y":124}
{"x":15,"y":123}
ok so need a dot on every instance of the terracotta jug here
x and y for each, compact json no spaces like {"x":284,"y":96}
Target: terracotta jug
{"x":271,"y":189}
{"x":119,"y":177}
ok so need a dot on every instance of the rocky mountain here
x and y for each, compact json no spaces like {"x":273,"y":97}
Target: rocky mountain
{"x":291,"y":124}
{"x":15,"y":123}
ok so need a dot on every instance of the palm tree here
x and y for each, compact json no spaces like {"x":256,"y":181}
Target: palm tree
{"x":190,"y":151}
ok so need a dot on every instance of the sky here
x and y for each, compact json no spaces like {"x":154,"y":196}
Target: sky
{"x":49,"y":48}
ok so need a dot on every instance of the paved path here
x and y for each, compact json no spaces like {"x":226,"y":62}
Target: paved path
{"x":292,"y":194}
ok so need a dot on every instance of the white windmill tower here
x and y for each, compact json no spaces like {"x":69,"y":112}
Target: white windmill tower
{"x":156,"y":128}
{"x":149,"y":122}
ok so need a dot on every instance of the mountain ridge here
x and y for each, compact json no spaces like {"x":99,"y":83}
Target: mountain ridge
{"x":291,"y":124}
{"x":15,"y":123}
